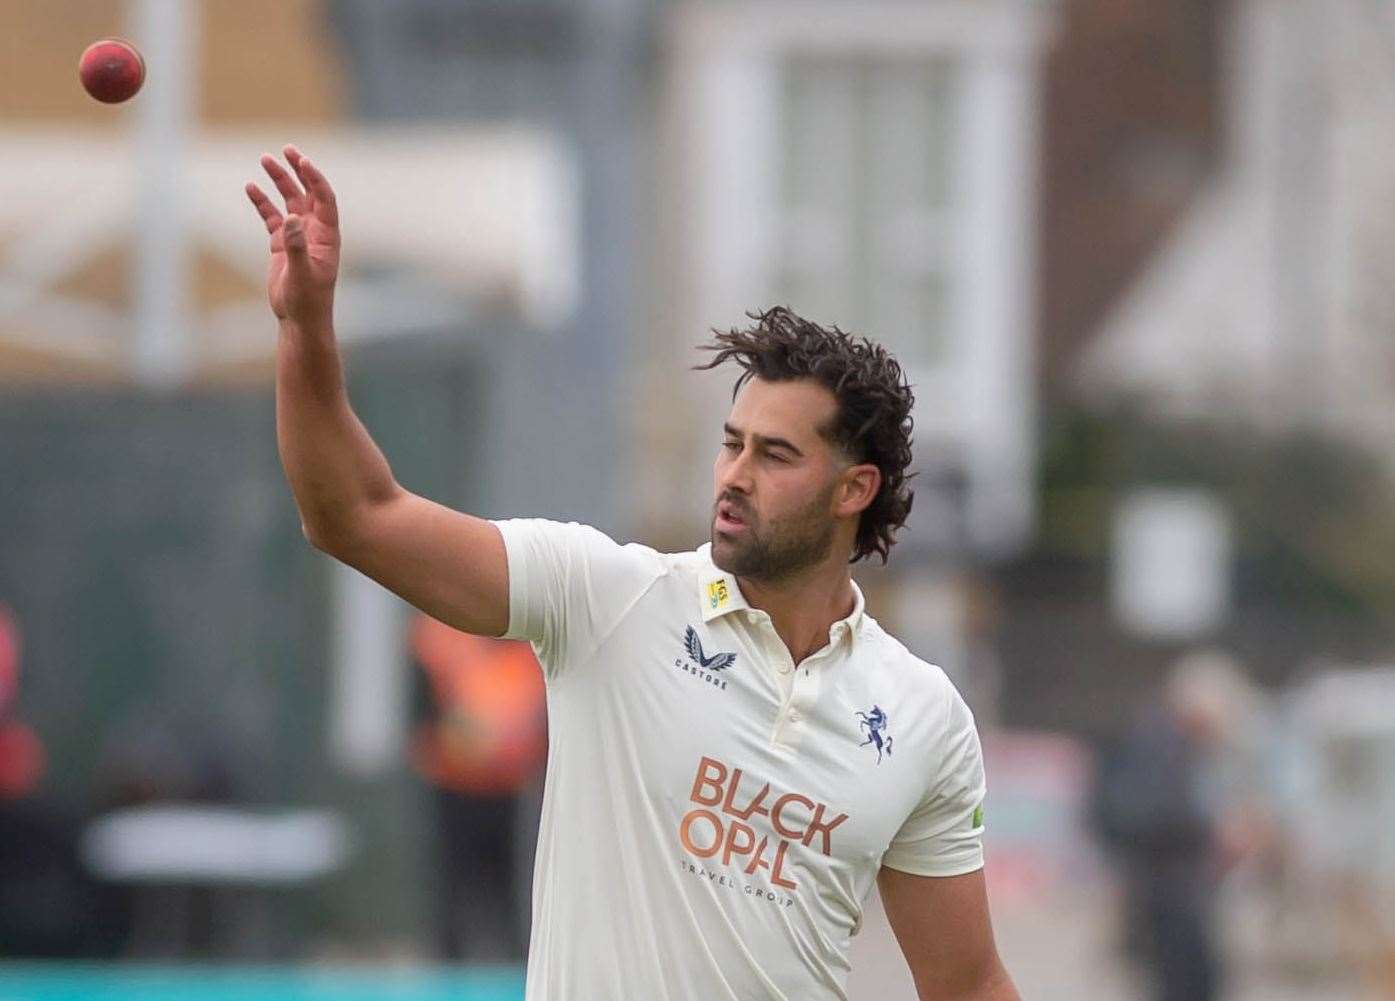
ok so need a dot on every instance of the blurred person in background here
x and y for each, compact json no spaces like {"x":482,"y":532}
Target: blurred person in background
{"x":42,"y":884}
{"x":484,"y":744}
{"x":1176,"y":803}
{"x":22,"y":759}
{"x":737,"y":750}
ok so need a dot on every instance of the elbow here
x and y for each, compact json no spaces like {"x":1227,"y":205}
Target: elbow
{"x":333,"y":537}
{"x":341,"y":530}
{"x":314,"y":536}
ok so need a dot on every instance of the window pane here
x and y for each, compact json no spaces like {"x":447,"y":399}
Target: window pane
{"x":866,"y":198}
{"x":911,"y":103}
{"x":818,"y":182}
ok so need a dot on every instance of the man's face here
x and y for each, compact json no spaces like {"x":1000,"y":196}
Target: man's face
{"x":774,"y":481}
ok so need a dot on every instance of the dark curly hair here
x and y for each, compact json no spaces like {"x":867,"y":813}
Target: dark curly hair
{"x":873,"y":423}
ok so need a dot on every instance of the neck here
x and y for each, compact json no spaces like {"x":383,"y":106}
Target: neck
{"x":803,"y":608}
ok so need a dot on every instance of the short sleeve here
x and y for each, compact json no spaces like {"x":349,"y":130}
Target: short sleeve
{"x":569,"y":585}
{"x":943,"y":836}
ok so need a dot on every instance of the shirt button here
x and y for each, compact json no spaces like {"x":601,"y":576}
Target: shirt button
{"x":795,"y":717}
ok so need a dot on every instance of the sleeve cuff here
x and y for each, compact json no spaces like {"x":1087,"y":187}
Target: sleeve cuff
{"x":946,"y":867}
{"x":514,"y":542}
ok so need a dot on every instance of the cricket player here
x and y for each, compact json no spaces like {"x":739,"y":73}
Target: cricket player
{"x":738,"y":750}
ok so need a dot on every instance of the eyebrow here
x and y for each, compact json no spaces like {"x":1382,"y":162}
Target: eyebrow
{"x":762,"y":440}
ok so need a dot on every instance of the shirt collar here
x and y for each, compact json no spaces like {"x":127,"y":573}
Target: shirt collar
{"x":852,"y":625}
{"x":718,"y":594}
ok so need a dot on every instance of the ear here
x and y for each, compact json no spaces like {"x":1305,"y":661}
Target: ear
{"x":857,"y":488}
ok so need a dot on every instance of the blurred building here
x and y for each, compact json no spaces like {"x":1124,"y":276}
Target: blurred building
{"x":1028,"y":201}
{"x":1037,"y":204}
{"x":1270,"y":300}
{"x":1131,"y":129}
{"x":1211,"y":321}
{"x":122,"y":219}
{"x":85,"y":185}
{"x":146,"y":537}
{"x":874,"y":166}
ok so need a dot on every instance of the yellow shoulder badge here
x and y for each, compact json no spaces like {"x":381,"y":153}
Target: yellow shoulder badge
{"x":718,"y":594}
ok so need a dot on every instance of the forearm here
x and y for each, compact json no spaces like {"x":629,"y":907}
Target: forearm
{"x":943,"y":927}
{"x":997,"y":987}
{"x":994,"y":985}
{"x":332,"y":464}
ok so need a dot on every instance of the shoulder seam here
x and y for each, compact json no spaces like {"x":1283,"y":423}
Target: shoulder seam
{"x":600,"y":638}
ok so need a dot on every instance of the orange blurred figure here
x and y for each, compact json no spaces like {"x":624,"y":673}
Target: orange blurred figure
{"x":489,"y":736}
{"x":484,"y":743}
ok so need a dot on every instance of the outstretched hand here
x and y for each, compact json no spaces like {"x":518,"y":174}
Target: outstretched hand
{"x":304,"y":241}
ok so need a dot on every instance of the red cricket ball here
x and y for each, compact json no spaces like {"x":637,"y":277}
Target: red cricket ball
{"x":111,"y":70}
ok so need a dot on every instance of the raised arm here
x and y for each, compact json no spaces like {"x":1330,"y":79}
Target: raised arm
{"x":450,"y":565}
{"x":943,"y":927}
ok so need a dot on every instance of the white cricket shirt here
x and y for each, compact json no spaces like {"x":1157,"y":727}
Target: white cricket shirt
{"x":714,"y":815}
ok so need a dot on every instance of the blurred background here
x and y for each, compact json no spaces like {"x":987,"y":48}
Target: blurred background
{"x":1137,"y":256}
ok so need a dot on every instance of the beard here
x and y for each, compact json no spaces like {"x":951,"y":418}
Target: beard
{"x":779,"y":550}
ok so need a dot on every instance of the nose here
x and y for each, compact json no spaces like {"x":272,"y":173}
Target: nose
{"x":734,"y":473}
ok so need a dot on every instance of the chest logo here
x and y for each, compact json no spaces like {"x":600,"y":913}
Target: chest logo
{"x":717,"y":662}
{"x":874,"y":724}
{"x":720,"y":828}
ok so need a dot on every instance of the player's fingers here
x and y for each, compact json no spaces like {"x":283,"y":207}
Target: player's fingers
{"x":326,"y":206}
{"x":267,"y":209}
{"x":317,"y":188}
{"x":284,"y":182}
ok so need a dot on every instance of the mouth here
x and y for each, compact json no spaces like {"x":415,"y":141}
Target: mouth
{"x":728,"y":520}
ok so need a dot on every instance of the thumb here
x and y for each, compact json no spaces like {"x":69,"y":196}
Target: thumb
{"x":297,"y":252}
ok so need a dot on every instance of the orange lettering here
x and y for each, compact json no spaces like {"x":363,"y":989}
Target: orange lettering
{"x":758,"y":859}
{"x":817,"y":826}
{"x":684,"y":832}
{"x":758,"y":862}
{"x":732,"y":846}
{"x":778,"y":824}
{"x":788,"y":884}
{"x":712,"y":781}
{"x":752,"y":807}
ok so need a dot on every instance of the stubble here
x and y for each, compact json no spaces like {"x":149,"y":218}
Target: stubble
{"x":775,"y":551}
